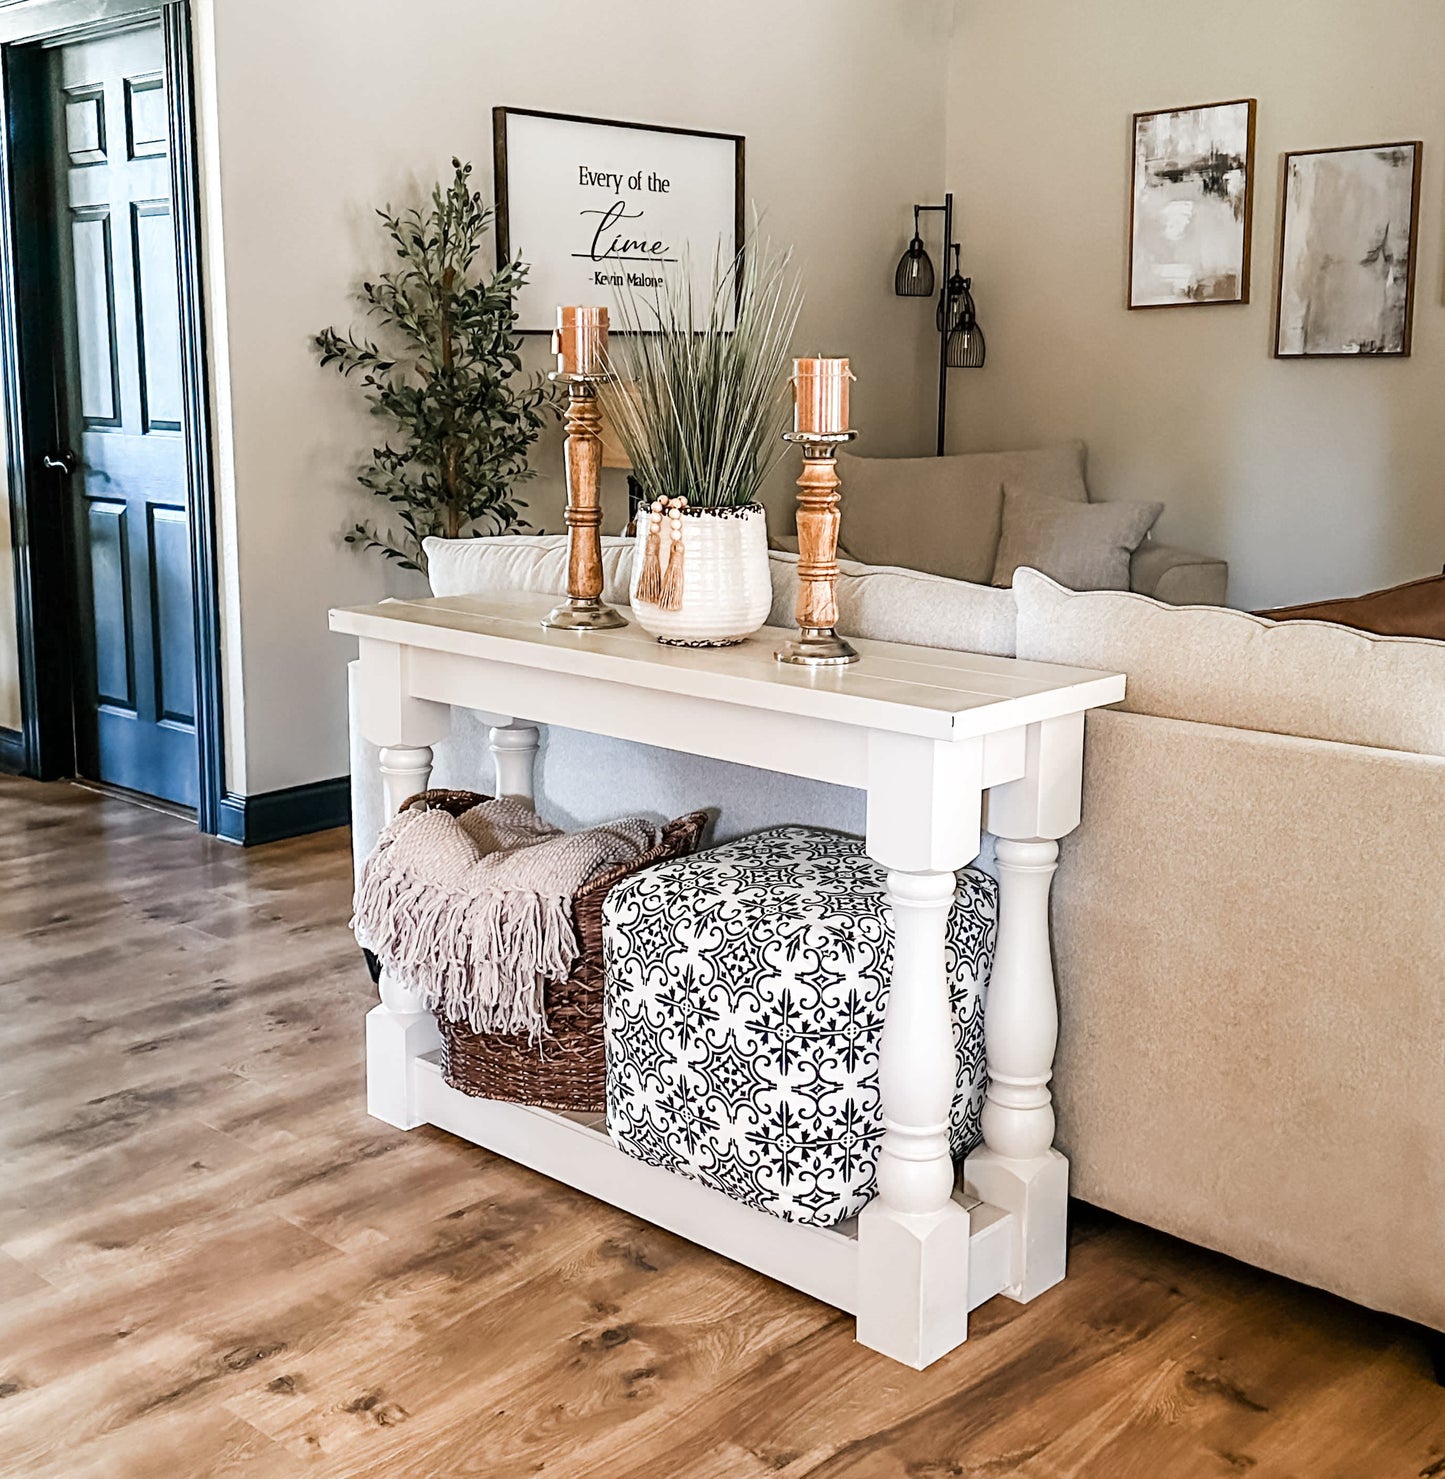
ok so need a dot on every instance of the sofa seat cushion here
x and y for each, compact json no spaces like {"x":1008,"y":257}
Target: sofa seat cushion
{"x":942,"y":514}
{"x":1217,"y":666}
{"x":1415,"y":609}
{"x":1085,"y":546}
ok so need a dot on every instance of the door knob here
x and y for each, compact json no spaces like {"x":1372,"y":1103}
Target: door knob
{"x":63,"y":462}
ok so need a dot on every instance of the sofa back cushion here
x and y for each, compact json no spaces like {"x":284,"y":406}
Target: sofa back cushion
{"x":942,"y":514}
{"x":887,"y":605}
{"x":1217,"y":666}
{"x":521,"y":562}
{"x":892,"y":605}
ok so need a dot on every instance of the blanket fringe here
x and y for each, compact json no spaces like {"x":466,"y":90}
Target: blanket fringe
{"x":474,"y":914}
{"x":463,"y":954}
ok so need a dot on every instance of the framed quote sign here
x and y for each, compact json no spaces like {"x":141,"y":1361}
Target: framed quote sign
{"x":598,"y":208}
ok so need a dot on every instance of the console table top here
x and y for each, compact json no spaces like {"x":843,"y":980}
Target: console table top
{"x":932,"y":692}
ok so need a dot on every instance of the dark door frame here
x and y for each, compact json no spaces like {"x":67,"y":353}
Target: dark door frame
{"x":26,"y":292}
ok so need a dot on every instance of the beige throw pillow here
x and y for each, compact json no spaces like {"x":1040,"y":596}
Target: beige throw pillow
{"x":1085,"y":546}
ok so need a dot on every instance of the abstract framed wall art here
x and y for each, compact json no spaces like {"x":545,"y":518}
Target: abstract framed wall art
{"x":1348,"y":227}
{"x":598,"y":208}
{"x":1193,"y":197}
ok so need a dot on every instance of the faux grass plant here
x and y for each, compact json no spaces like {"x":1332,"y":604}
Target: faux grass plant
{"x":700,"y":405}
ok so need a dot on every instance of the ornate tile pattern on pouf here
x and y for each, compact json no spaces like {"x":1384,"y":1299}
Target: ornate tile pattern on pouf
{"x":745,"y":995}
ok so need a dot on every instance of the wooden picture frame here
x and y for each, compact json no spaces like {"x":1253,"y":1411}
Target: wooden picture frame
{"x":1302,"y":286}
{"x":554,"y":171}
{"x":1201,"y":182}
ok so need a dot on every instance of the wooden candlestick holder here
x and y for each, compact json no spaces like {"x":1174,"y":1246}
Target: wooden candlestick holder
{"x":583,"y":610}
{"x":817,"y":644}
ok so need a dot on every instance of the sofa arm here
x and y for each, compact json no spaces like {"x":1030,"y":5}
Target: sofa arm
{"x":1178,"y":576}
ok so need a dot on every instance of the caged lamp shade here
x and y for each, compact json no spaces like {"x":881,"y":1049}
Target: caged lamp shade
{"x":914,"y":277}
{"x":966,"y":347}
{"x":950,"y":302}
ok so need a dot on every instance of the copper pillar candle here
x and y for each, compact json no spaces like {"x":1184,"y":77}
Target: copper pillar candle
{"x":580,"y":340}
{"x":820,"y":388}
{"x":580,"y":343}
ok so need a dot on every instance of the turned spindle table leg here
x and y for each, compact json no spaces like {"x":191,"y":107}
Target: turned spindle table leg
{"x":1021,"y":1030}
{"x":405,"y":771}
{"x":1017,"y":1167}
{"x":514,"y":755}
{"x":400,"y":1028}
{"x":924,"y":800}
{"x":914,"y":1238}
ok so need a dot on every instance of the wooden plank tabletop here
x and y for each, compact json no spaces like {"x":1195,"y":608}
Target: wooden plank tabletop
{"x":936,"y":692}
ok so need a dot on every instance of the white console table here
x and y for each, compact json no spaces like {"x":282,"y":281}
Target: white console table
{"x":944,"y":743}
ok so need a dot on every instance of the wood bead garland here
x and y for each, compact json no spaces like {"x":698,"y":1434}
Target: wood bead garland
{"x":660,"y":581}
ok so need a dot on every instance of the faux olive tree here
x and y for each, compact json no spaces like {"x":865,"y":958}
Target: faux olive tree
{"x":463,"y":416}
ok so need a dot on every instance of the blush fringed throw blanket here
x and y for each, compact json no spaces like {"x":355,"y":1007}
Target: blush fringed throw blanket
{"x":474,"y":913}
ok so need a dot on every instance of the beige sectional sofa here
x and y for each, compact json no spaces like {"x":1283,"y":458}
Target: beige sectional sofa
{"x":1249,"y":929}
{"x":944,"y":515}
{"x":1249,"y":925}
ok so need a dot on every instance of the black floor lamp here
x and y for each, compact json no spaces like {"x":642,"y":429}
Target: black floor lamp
{"x":960,"y":340}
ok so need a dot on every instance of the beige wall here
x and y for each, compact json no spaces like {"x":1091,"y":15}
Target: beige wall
{"x":1312,"y":478}
{"x":314,"y":113}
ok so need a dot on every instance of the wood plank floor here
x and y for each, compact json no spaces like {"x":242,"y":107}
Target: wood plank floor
{"x":213,"y":1263}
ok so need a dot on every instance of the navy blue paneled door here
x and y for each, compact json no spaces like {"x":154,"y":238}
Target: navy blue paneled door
{"x":121,"y":457}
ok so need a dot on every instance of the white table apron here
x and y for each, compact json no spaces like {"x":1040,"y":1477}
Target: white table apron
{"x":943,"y":743}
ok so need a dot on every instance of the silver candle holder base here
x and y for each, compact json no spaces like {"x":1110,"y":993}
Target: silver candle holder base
{"x":583,"y":614}
{"x":816,"y":647}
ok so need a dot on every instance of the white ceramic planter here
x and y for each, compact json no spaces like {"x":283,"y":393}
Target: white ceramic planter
{"x":726,"y":588}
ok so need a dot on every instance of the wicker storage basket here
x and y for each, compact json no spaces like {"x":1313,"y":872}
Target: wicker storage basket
{"x":567,"y":1069}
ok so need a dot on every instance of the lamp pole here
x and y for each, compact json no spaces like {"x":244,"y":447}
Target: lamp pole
{"x":943,"y":315}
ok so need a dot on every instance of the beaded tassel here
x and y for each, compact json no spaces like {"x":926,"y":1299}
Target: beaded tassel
{"x":658,"y":585}
{"x":649,"y":580}
{"x":671,"y":597}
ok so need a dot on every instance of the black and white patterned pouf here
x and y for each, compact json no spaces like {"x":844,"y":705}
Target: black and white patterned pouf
{"x":744,"y":1007}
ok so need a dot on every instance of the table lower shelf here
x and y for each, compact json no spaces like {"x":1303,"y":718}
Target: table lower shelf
{"x":574,"y":1149}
